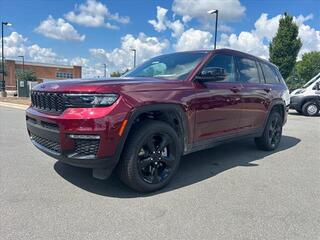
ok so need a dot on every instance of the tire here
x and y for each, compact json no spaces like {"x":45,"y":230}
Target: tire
{"x":272,"y":133}
{"x":151,"y":156}
{"x":310,"y":109}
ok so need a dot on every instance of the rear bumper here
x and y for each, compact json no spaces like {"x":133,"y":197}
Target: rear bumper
{"x":52,"y":134}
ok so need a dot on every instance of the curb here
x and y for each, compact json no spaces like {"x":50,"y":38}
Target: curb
{"x":14,"y":105}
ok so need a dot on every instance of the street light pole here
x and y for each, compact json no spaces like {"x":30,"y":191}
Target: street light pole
{"x":134,"y":57}
{"x":22,"y":62}
{"x":105,"y":69}
{"x":216,"y":11}
{"x":3,"y":85}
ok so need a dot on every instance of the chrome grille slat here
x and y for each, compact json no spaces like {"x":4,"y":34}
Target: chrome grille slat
{"x":47,"y":101}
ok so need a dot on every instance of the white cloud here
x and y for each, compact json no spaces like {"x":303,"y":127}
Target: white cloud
{"x":95,"y":14}
{"x":58,"y":29}
{"x":79,"y":61}
{"x":246,"y":42}
{"x":193,"y":39}
{"x":39,"y":54}
{"x":266,"y":28}
{"x":229,"y":10}
{"x":177,"y":28}
{"x":162,"y":23}
{"x":257,"y":40}
{"x":17,"y":45}
{"x":122,"y":58}
{"x":310,"y":37}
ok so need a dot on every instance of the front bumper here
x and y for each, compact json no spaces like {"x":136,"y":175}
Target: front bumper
{"x":49,"y":142}
{"x":296,"y":102}
{"x":51,"y":134}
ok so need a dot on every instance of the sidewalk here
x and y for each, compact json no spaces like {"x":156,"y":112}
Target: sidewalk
{"x":15,"y":102}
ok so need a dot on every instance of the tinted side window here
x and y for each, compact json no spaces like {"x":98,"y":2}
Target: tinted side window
{"x":280,"y":78}
{"x":248,"y":71}
{"x":226,"y":62}
{"x":269,"y":75}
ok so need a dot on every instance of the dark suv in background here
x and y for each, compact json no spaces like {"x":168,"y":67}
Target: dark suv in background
{"x":172,"y":105}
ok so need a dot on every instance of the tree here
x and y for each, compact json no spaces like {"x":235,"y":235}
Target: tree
{"x":118,"y":74}
{"x":294,"y":81}
{"x":285,"y":46}
{"x":26,"y":75}
{"x":115,"y":74}
{"x":309,"y":66}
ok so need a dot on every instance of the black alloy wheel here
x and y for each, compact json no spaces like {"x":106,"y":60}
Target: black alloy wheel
{"x":272,"y":133}
{"x":151,"y":156}
{"x":275,"y":131}
{"x":156,"y":158}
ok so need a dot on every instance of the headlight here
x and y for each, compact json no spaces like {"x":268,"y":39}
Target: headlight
{"x":90,"y":100}
{"x":300,"y":91}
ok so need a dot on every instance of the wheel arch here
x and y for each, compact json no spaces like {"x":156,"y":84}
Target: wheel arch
{"x":276,"y":105}
{"x":315,"y":99}
{"x":171,"y":113}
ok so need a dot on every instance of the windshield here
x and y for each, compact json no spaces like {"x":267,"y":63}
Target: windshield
{"x":316,"y":78}
{"x":170,"y":66}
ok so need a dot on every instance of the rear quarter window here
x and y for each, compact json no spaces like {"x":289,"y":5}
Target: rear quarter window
{"x":269,"y":74}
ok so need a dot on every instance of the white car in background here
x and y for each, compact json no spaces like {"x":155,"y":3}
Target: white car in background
{"x":306,"y":100}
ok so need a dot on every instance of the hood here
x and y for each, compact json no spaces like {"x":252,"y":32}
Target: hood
{"x":297,"y":91}
{"x":108,"y":84}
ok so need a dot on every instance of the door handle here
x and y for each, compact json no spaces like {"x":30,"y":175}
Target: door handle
{"x":235,"y":89}
{"x":267,"y":90}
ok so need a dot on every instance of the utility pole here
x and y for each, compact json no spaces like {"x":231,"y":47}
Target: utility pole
{"x":105,"y":70}
{"x":3,"y":83}
{"x":134,"y":57}
{"x":215,"y":11}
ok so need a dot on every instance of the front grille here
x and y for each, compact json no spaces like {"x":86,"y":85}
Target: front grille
{"x":51,"y":102}
{"x":48,"y":144}
{"x":86,"y":147}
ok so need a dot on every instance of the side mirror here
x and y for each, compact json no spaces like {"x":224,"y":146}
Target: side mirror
{"x":318,"y":86}
{"x":211,"y":74}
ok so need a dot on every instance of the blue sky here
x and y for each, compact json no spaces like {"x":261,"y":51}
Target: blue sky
{"x":37,"y":30}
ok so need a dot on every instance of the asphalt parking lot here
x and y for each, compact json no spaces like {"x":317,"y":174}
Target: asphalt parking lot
{"x":232,"y":191}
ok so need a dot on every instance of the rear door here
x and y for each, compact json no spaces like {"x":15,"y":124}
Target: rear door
{"x":217,"y":102}
{"x":255,"y":95}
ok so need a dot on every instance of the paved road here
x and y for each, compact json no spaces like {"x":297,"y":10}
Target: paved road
{"x":229,"y":192}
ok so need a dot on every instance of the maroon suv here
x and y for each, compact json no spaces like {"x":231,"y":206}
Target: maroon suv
{"x":169,"y":106}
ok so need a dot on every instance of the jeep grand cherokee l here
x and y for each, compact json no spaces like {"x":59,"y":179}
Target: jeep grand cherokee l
{"x":171,"y":105}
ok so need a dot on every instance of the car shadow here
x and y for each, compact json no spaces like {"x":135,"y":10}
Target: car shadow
{"x":299,"y":114}
{"x":295,"y":113}
{"x":194,"y":168}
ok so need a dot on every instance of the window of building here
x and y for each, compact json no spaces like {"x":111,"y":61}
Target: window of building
{"x":226,"y":63}
{"x":64,"y":75}
{"x":269,"y":75}
{"x":248,"y":71}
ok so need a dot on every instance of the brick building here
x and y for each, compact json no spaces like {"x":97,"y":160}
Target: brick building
{"x":41,"y":70}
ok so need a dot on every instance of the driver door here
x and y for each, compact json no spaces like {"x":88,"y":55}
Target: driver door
{"x":217,"y":101}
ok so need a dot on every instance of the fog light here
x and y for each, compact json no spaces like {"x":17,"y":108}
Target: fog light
{"x":77,"y":136}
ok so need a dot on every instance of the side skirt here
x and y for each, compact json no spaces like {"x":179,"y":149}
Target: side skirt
{"x":205,"y":144}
